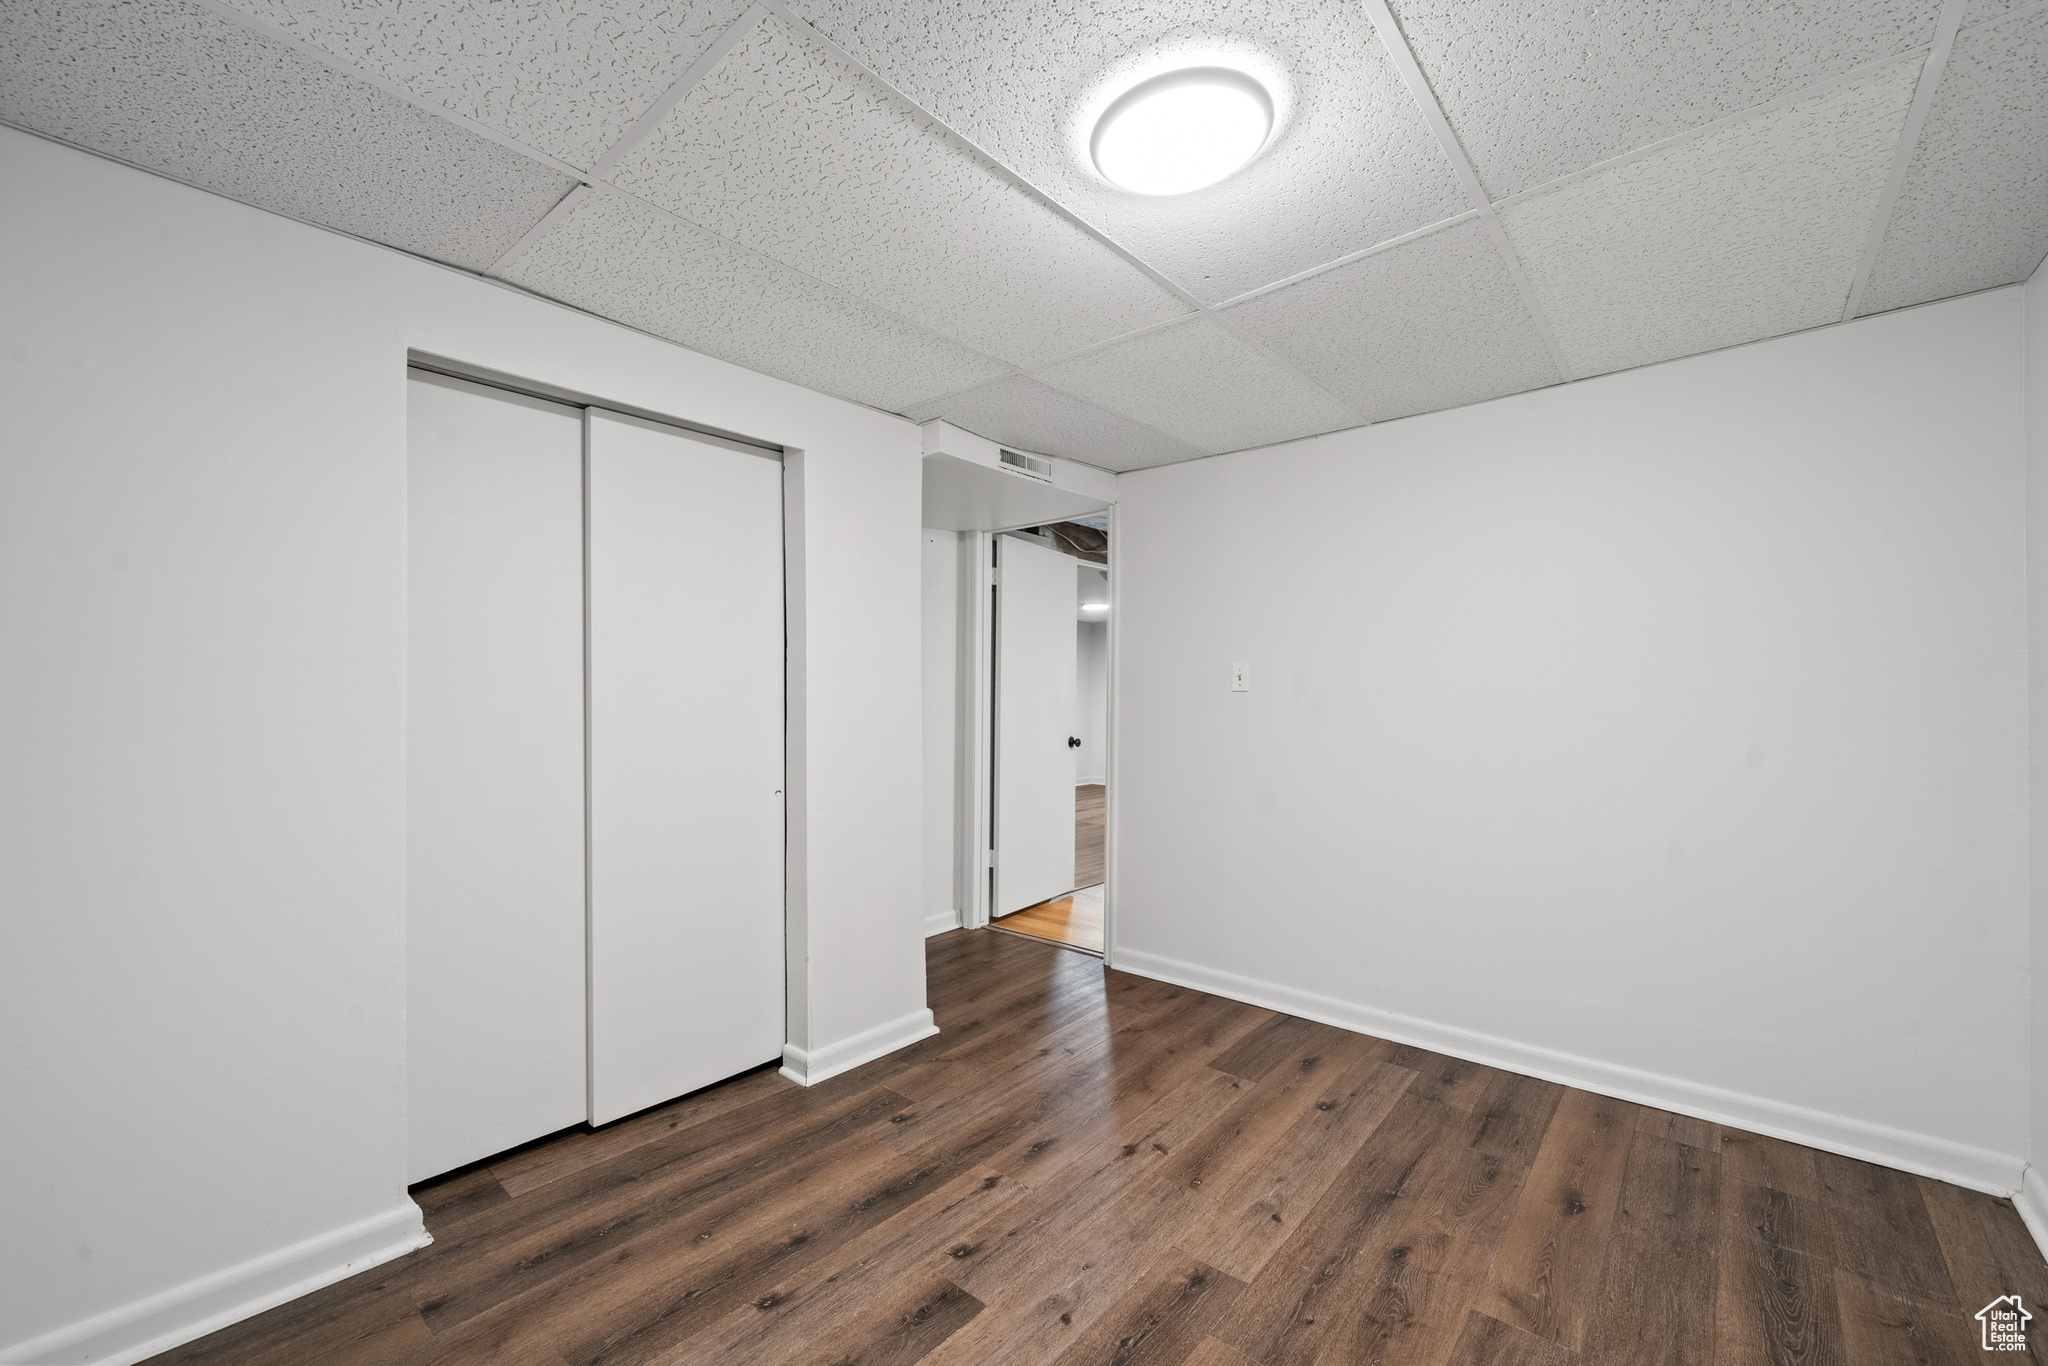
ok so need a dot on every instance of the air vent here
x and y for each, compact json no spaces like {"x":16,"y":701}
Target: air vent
{"x":1030,"y":466}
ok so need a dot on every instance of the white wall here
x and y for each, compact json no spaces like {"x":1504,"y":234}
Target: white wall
{"x":1664,"y":732}
{"x":202,"y":515}
{"x":941,"y":730}
{"x":2033,"y":1201}
{"x":1091,"y":656}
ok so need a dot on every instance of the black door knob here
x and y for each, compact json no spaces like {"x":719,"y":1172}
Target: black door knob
{"x":1073,"y":742}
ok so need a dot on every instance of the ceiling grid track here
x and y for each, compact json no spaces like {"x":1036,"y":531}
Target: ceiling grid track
{"x":563,"y":208}
{"x":1273,"y":358}
{"x":1902,"y":156}
{"x":1396,"y":44}
{"x":1350,"y":258}
{"x":1038,"y":367}
{"x":650,"y":120}
{"x":642,"y":127}
{"x":2017,"y":12}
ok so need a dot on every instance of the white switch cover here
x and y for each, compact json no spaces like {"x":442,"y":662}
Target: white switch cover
{"x":1240,"y":677}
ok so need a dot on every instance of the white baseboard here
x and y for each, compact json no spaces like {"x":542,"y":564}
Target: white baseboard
{"x":2032,"y":1203}
{"x":810,"y":1068}
{"x":1977,"y":1168}
{"x":938,"y":922}
{"x":137,"y":1331}
{"x":1091,"y":782}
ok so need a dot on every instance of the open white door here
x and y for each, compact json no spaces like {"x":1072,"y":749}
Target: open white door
{"x":1035,"y":700}
{"x":686,"y":724}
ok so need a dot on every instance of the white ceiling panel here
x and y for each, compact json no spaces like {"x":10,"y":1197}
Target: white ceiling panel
{"x":1019,"y":411}
{"x":1433,"y":323}
{"x":632,"y":263}
{"x":786,"y":150}
{"x":895,"y":203}
{"x":1537,"y":91}
{"x":1200,"y":384}
{"x":1978,"y":11}
{"x":1974,"y":210}
{"x":1749,"y":231}
{"x":559,"y":75}
{"x":1353,"y":165}
{"x":183,"y":91}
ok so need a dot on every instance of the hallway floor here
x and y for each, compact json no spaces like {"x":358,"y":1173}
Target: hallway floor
{"x":1091,"y":819}
{"x":1074,"y":920}
{"x":1090,"y":1167}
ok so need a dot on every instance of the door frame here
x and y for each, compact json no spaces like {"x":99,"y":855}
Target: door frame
{"x":974,"y":784}
{"x":980,"y":605}
{"x":1110,"y":731}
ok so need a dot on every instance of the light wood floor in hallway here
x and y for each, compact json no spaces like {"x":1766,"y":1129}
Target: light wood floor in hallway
{"x":1089,"y":1167}
{"x":1091,"y":820}
{"x":1074,"y":919}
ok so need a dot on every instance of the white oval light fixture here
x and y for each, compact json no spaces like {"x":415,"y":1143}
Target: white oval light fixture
{"x":1182,"y":131}
{"x":1095,"y":607}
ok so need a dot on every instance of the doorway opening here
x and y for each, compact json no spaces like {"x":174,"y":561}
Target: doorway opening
{"x":1050,"y":706}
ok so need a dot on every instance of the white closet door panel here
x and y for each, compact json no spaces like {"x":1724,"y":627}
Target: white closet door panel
{"x":494,"y":803}
{"x":1035,"y":701}
{"x":686,"y":755}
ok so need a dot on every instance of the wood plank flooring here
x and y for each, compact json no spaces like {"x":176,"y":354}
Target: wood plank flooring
{"x":1091,"y":823}
{"x":1090,"y":1167}
{"x":1074,"y":919}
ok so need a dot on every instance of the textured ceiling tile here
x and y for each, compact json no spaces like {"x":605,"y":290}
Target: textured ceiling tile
{"x":1974,"y":210}
{"x":1750,"y":231}
{"x":636,"y":265}
{"x":182,"y":91}
{"x":1537,"y":91}
{"x":566,"y":77}
{"x":1019,"y":411}
{"x":1200,"y":384}
{"x":1430,"y":324}
{"x":1980,"y":11}
{"x":786,"y":150}
{"x":1354,"y":164}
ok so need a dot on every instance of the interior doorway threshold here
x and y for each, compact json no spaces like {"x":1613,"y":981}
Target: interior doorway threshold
{"x":1073,"y":921}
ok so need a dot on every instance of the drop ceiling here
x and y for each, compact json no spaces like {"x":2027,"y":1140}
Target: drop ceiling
{"x":1463,"y":198}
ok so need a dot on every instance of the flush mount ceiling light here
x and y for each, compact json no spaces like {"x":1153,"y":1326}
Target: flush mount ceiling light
{"x":1183,"y":130}
{"x":1095,"y":607}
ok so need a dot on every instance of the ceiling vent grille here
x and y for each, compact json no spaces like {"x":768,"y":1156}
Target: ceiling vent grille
{"x":1030,"y":466}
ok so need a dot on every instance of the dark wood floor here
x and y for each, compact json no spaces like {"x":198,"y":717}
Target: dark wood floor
{"x":1091,"y":1167}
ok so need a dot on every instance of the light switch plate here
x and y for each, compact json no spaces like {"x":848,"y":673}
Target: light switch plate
{"x":1240,"y":677}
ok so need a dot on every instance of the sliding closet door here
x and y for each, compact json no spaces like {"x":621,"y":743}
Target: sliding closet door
{"x":686,"y":725}
{"x":494,"y":807}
